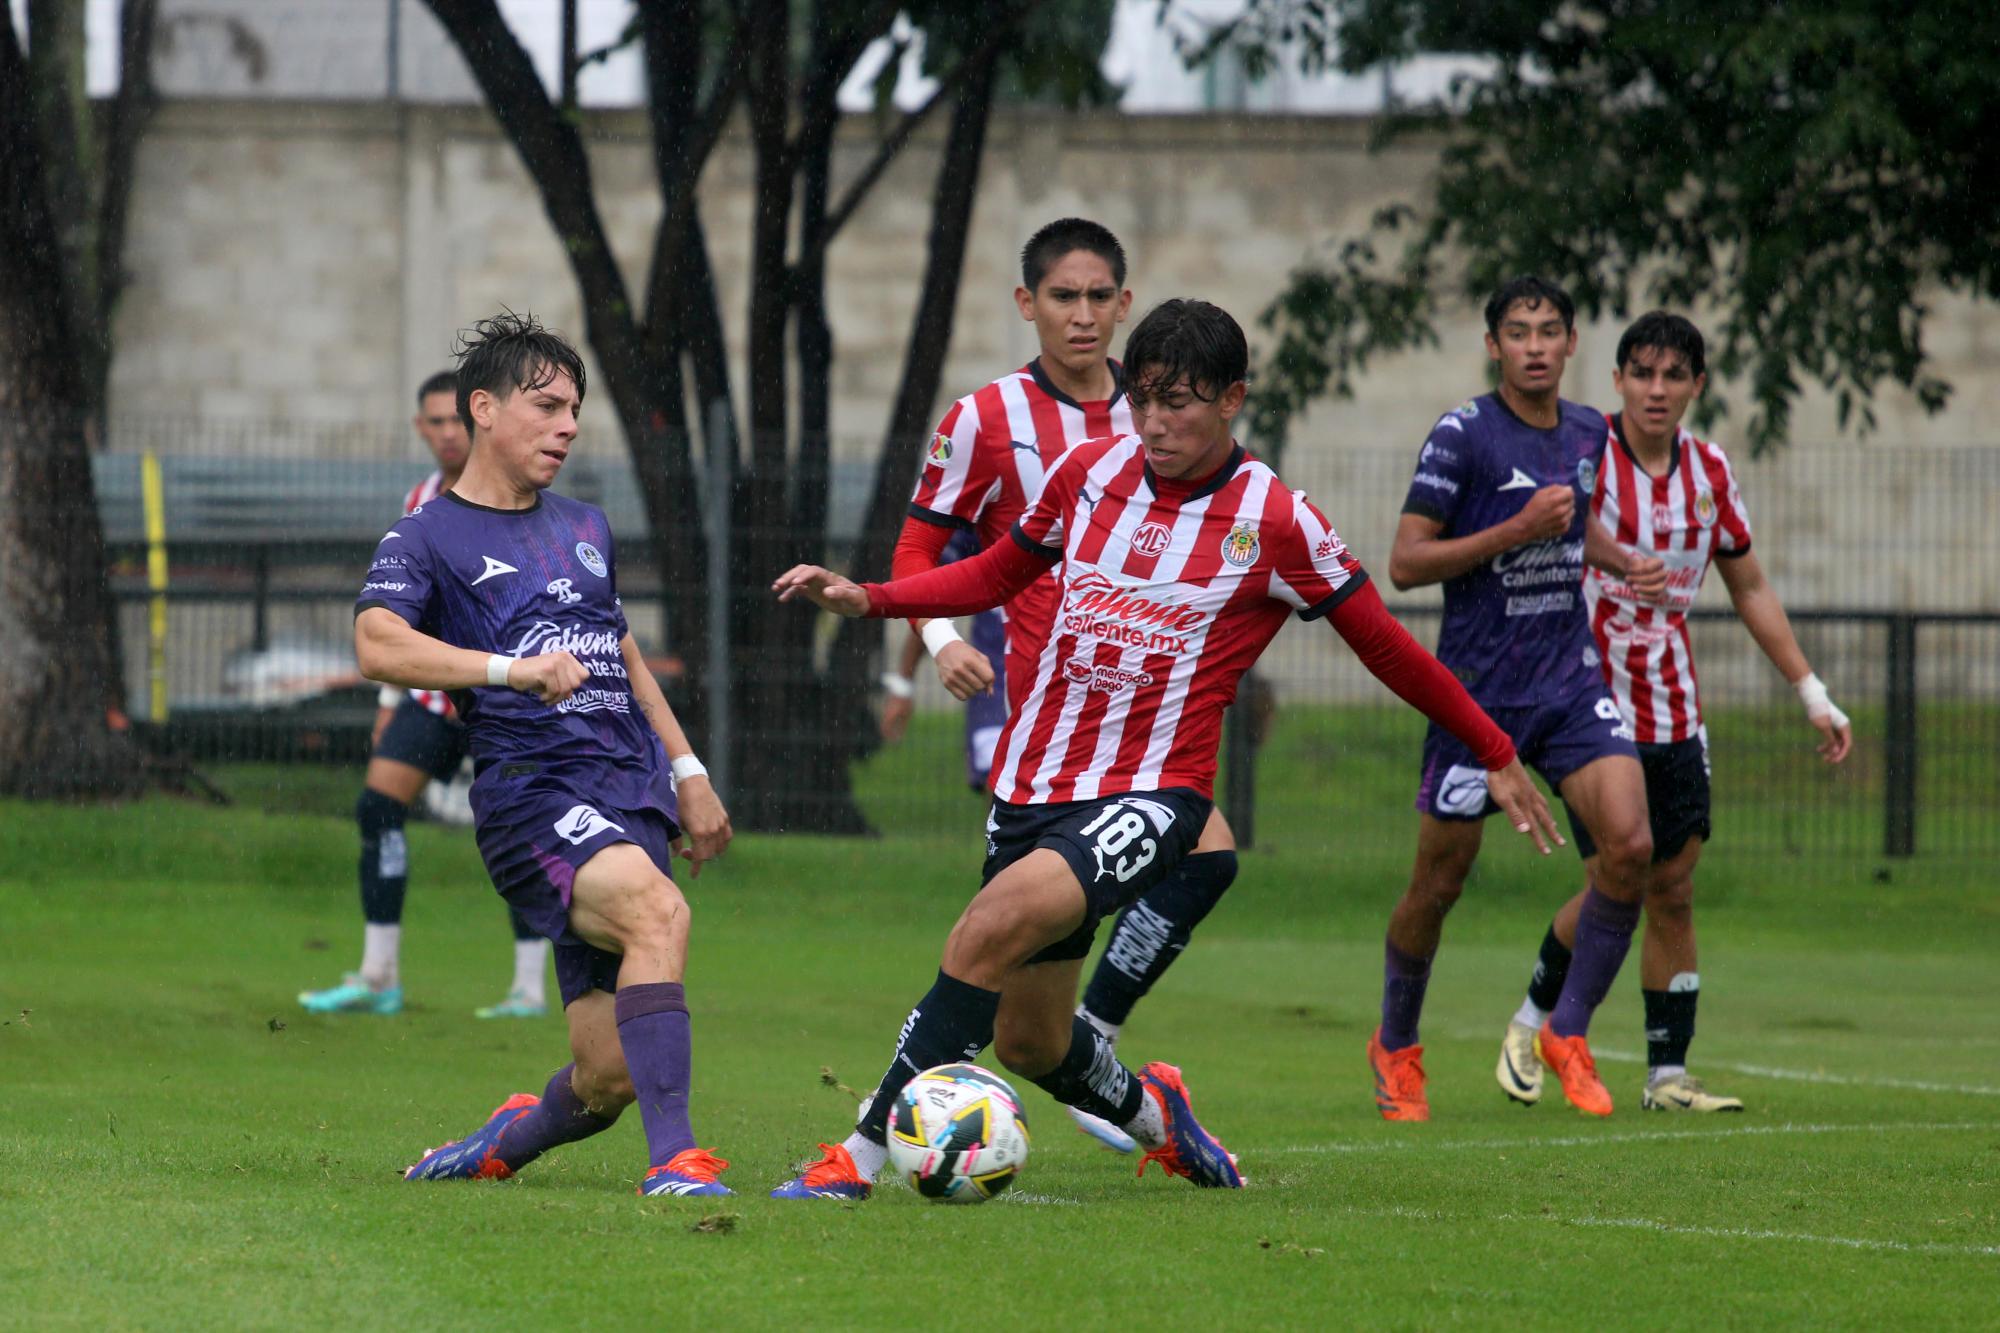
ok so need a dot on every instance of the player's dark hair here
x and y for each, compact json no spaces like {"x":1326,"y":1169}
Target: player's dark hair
{"x":1065,"y":236}
{"x":1186,"y":338}
{"x":511,"y":352}
{"x":1533,"y":291}
{"x":445,"y":381}
{"x":1664,"y":331}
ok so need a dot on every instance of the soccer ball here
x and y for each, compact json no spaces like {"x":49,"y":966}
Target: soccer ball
{"x":957,"y":1134}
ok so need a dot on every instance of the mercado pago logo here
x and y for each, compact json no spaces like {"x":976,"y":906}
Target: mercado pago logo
{"x":1110,"y":678}
{"x":1095,"y":606}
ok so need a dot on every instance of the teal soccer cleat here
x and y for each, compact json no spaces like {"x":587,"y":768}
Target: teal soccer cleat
{"x":353,"y":996}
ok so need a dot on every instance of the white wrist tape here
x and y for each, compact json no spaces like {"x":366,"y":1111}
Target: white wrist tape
{"x":497,"y":667}
{"x":687,"y":766}
{"x":898,"y":687}
{"x":937,"y":634}
{"x":1812,"y":693}
{"x":390,"y":697}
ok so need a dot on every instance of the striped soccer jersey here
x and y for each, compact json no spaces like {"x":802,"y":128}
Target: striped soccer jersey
{"x":1169,"y":593}
{"x":425,"y":491}
{"x":986,"y":464}
{"x":1687,"y":517}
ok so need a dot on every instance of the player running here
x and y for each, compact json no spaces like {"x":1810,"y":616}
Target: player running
{"x":417,"y":737}
{"x":1670,"y":498}
{"x":1180,"y":557}
{"x":506,"y":594}
{"x":985,"y":466}
{"x":1492,"y":514}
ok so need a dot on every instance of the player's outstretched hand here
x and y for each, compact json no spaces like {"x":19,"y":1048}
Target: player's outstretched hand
{"x":1526,"y":810}
{"x":827,"y":590}
{"x":1836,"y":736}
{"x":1646,"y":576}
{"x":964,"y":670}
{"x":703,"y":820}
{"x":896,"y":718}
{"x":550,"y":677}
{"x":1547,"y":514}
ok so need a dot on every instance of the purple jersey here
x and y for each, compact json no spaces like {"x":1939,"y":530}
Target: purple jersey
{"x":1514,"y":629}
{"x":520,"y":583}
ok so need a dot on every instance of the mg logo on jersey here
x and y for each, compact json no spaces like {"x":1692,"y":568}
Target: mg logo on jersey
{"x":1663,"y":518}
{"x":592,"y":559}
{"x":582,"y":823}
{"x":1240,"y":547}
{"x":1152,"y":538}
{"x":560,"y":590}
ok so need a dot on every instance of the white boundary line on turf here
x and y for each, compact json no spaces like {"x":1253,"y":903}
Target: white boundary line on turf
{"x":1590,"y":1140}
{"x":1726,"y":1233}
{"x":1810,"y":1076}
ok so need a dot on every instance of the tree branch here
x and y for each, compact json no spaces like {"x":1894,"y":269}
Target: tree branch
{"x":130,"y":110}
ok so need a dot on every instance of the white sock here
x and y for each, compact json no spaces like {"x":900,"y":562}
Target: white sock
{"x":531,"y":960}
{"x":1149,"y":1126}
{"x":1530,"y":1016}
{"x":380,"y":946}
{"x":868,"y":1155}
{"x":1110,"y":1030}
{"x":1659,"y":1073}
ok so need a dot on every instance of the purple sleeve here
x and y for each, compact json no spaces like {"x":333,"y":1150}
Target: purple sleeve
{"x":402,"y":576}
{"x":1438,"y":487}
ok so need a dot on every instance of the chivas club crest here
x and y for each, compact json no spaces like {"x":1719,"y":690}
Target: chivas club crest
{"x":1704,"y":508}
{"x":1240,"y":547}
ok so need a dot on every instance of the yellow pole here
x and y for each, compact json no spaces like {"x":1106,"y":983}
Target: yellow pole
{"x":156,"y":579}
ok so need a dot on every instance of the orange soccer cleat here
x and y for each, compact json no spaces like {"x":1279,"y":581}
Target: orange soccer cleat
{"x":1569,"y":1059}
{"x":1399,"y":1081}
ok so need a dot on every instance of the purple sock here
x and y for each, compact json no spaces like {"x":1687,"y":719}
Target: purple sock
{"x":653,"y":1030}
{"x":1403,"y":981}
{"x":561,"y":1118}
{"x":1603,"y":935}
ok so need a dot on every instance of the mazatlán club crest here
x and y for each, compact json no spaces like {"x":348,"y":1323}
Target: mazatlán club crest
{"x":1240,"y":547}
{"x":940,"y":450}
{"x":592,"y":561}
{"x":1586,"y":475}
{"x":1704,"y":508}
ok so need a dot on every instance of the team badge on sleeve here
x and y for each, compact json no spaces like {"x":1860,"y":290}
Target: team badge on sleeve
{"x":940,"y":450}
{"x":1241,"y":546}
{"x":592,"y":560}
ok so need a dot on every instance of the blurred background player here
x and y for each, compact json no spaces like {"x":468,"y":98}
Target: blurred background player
{"x":506,"y":594}
{"x":417,"y":737}
{"x":984,"y":468}
{"x":985,"y":711}
{"x":1105,"y":771}
{"x":1492,"y":514}
{"x":1671,"y":499}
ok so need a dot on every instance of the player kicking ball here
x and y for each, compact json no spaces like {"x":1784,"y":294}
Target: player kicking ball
{"x":506,"y":594}
{"x":1180,"y":558}
{"x":1669,"y":500}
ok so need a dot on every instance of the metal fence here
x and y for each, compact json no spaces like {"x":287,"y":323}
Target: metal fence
{"x":1885,"y":557}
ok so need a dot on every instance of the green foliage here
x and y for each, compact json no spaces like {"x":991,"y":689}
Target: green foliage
{"x":1818,"y":174}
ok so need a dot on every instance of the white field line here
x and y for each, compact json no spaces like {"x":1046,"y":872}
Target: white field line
{"x":1409,"y":1144}
{"x":1813,"y":1076}
{"x":1724,"y":1233}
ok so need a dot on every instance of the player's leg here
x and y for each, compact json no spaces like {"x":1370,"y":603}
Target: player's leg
{"x":527,"y":994}
{"x":1446,"y":849}
{"x":391,"y":787}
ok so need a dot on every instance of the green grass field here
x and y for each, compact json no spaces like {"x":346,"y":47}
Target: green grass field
{"x":181,"y":1146}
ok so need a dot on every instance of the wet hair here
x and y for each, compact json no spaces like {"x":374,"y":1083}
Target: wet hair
{"x":1066,"y":236}
{"x":1664,"y":331}
{"x":511,"y":352}
{"x":1534,"y":291}
{"x":1186,"y":338}
{"x":445,"y":381}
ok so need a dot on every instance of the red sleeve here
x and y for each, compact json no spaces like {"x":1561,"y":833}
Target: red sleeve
{"x":919,"y":548}
{"x":1420,"y":680}
{"x":992,"y":578}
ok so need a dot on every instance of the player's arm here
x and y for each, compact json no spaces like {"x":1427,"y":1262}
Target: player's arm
{"x":1421,"y":555}
{"x":963,"y":669}
{"x":1420,"y":680}
{"x":1756,"y":601}
{"x":702,"y":817}
{"x":392,"y":651}
{"x":1645,"y":575}
{"x":900,"y":689}
{"x":992,"y":578}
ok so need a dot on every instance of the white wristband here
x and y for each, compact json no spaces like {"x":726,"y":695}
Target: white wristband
{"x":688,"y":766}
{"x":1812,"y":693}
{"x":937,"y":634}
{"x":898,"y":687}
{"x":497,"y":667}
{"x":390,"y":697}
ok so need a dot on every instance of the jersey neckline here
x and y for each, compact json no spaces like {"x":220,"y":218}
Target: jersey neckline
{"x":1216,"y":481}
{"x":1047,"y":385}
{"x":455,"y":497}
{"x":1673,"y":450}
{"x":1562,"y":404}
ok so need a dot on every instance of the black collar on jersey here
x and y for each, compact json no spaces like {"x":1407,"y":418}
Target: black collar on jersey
{"x":1214,"y":483}
{"x":1673,"y":448}
{"x":455,"y":497}
{"x":1047,"y":386}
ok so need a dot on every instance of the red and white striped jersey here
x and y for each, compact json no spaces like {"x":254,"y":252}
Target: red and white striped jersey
{"x":986,"y":464}
{"x":1686,"y":517}
{"x":1169,"y":593}
{"x":423,"y":493}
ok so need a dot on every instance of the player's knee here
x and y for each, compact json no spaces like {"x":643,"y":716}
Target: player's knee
{"x":1030,"y":1052}
{"x":658,"y":918}
{"x":377,"y":813}
{"x":1627,"y":852}
{"x":1672,"y":901}
{"x":605,"y":1088}
{"x":1436,"y":885}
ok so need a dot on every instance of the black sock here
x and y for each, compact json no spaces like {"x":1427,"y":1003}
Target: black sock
{"x":1152,"y":932}
{"x":522,"y":930}
{"x":1669,"y":1025}
{"x":385,"y":857}
{"x":1551,"y":970}
{"x":954,"y":1021}
{"x":1091,"y":1079}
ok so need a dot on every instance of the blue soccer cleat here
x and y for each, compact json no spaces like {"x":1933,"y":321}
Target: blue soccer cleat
{"x":833,"y":1176}
{"x":687,"y":1174}
{"x":474,"y":1156}
{"x":1190,"y":1150}
{"x":353,"y":996}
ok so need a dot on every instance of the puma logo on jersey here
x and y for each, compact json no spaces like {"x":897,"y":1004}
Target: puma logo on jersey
{"x":494,"y":568}
{"x":1517,"y":481}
